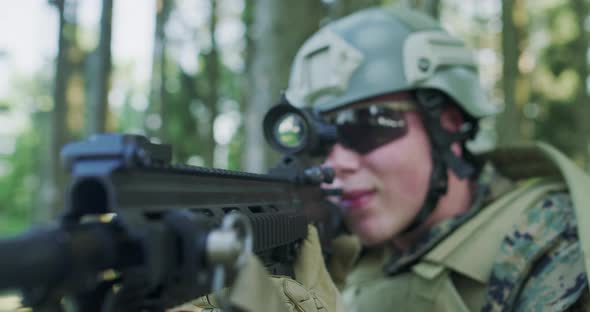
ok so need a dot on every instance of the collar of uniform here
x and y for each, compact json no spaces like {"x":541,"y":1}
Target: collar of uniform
{"x":489,"y":186}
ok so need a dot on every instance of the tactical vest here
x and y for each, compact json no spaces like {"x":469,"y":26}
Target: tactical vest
{"x":453,"y":276}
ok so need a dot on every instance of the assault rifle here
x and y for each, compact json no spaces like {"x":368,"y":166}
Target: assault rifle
{"x":139,"y":233}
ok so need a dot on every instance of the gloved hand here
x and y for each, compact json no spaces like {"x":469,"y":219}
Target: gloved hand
{"x":311,"y":272}
{"x":255,"y":290}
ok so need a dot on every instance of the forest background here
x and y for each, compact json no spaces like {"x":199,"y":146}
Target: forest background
{"x":199,"y":74}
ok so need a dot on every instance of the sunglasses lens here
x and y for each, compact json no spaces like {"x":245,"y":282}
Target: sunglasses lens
{"x":370,"y":129}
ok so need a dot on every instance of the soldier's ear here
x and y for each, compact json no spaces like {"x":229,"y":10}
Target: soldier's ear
{"x":451,"y":118}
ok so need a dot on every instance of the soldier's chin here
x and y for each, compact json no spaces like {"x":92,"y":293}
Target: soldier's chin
{"x":369,"y":236}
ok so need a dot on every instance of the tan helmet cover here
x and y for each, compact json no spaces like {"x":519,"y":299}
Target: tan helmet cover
{"x":379,"y":51}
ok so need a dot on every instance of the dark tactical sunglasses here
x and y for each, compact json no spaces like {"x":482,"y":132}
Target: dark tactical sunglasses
{"x":370,"y":125}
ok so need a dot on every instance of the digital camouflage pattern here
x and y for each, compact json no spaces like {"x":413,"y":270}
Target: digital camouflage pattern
{"x":540,"y":265}
{"x":486,"y":191}
{"x":400,"y":261}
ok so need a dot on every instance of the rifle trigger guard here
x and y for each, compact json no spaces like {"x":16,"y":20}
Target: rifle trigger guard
{"x":229,"y":246}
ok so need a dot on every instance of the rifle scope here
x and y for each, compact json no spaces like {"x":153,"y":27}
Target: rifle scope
{"x":293,"y":131}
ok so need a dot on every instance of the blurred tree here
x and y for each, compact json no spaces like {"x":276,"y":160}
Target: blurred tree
{"x":184,"y":131}
{"x":278,"y":30}
{"x":212,"y":72}
{"x":194,"y":90}
{"x":238,"y":147}
{"x":508,"y":123}
{"x":561,"y":79}
{"x":98,"y":74}
{"x":54,"y":185}
{"x":156,"y":112}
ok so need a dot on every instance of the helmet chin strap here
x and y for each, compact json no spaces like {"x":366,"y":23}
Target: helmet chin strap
{"x":431,"y":104}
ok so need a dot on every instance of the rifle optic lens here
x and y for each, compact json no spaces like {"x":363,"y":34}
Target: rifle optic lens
{"x":290,"y":131}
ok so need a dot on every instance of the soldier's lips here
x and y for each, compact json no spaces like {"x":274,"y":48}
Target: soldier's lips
{"x":356,"y":201}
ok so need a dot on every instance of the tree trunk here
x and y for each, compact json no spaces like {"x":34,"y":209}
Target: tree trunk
{"x":508,"y":123}
{"x":279,"y":29}
{"x":582,"y":102}
{"x":212,"y":71}
{"x":99,"y":76}
{"x":249,"y":159}
{"x":190,"y":142}
{"x":55,"y":186}
{"x":157,"y":108}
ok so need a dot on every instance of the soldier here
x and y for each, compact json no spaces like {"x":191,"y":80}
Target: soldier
{"x":441,"y":229}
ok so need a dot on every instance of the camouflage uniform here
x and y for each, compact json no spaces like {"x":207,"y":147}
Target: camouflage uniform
{"x":538,"y":266}
{"x":542,"y":257}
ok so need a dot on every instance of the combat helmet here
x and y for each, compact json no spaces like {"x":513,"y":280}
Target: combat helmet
{"x":383,"y":50}
{"x":380,"y":51}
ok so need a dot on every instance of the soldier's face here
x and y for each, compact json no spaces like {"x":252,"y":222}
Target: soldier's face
{"x":383,"y":189}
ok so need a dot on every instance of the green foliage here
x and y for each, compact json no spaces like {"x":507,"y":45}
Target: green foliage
{"x":549,"y":126}
{"x":186,"y":117}
{"x":19,"y":187}
{"x":236,"y":148}
{"x":11,"y":225}
{"x":180,"y":124}
{"x":557,"y":79}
